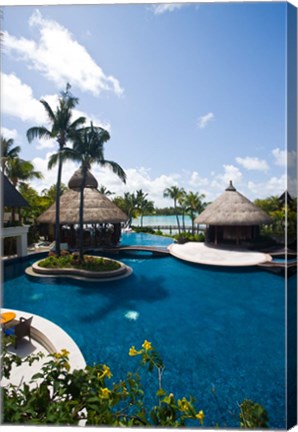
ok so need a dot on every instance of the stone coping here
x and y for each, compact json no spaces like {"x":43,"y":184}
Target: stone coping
{"x":51,"y":337}
{"x":86,"y":275}
{"x":201,"y":253}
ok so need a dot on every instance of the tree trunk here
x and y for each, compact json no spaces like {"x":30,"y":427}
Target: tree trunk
{"x":57,"y":218}
{"x":177,"y":217}
{"x":82,"y":216}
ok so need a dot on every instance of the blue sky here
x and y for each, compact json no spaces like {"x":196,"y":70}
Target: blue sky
{"x":193,"y":94}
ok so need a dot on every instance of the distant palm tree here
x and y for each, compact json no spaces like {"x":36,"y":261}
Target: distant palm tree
{"x":8,"y":152}
{"x":18,"y":170}
{"x":143,"y":205}
{"x":62,"y":130}
{"x":175,"y":193}
{"x":88,"y":149}
{"x":128,"y":204}
{"x":103,"y":190}
{"x":194,"y":206}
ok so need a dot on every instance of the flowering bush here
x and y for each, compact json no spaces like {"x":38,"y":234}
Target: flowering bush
{"x":90,"y":263}
{"x":58,"y":395}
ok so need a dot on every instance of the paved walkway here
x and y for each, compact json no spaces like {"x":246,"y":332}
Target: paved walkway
{"x":201,"y":253}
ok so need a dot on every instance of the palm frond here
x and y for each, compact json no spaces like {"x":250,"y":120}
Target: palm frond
{"x":49,"y":110}
{"x":53,"y":160}
{"x":116,"y":168}
{"x":38,"y":132}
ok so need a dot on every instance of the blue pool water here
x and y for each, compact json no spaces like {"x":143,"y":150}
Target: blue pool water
{"x":221,"y":333}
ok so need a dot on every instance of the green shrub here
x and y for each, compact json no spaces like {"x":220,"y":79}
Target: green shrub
{"x":90,"y":263}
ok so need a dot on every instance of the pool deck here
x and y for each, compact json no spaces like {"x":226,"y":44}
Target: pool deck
{"x":46,"y":337}
{"x":200,"y":253}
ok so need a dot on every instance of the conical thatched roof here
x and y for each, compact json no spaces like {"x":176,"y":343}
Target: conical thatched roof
{"x":232,"y":208}
{"x":97,"y":207}
{"x":77,"y":178}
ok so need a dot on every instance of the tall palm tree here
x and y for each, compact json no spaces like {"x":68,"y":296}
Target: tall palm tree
{"x":88,"y":149}
{"x":175,"y":193}
{"x":8,"y":152}
{"x":62,"y":130}
{"x":194,"y":206}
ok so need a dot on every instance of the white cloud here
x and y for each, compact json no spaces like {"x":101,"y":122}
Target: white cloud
{"x":205,"y":119}
{"x":18,"y":100}
{"x":137,"y":178}
{"x":273,"y":186}
{"x":59,"y":57}
{"x":284,"y":158}
{"x":166,"y":7}
{"x":9,"y":133}
{"x":253,"y":163}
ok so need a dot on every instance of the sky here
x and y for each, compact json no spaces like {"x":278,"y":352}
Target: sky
{"x":193,"y":95}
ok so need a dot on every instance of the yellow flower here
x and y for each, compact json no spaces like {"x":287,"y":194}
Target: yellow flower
{"x":183,"y":405}
{"x":133,"y":352}
{"x":200,"y":416}
{"x":105,"y":393}
{"x":106,"y":372}
{"x":147,"y":345}
{"x":64,"y":352}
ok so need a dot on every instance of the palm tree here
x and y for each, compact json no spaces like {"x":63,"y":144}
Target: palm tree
{"x":18,"y":170}
{"x":88,"y":149}
{"x":194,"y":205}
{"x":182,"y":204}
{"x":103,"y":190}
{"x":128,"y":204}
{"x":143,"y":205}
{"x":62,"y":129}
{"x":8,"y":152}
{"x":175,"y":193}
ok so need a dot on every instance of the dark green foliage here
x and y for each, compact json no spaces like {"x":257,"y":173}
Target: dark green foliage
{"x":253,"y":415}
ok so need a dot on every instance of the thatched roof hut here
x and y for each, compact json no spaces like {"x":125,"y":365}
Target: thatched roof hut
{"x":232,"y":217}
{"x":97,"y":207}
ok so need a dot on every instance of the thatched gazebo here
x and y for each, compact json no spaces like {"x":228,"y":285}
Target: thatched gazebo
{"x":232,"y":218}
{"x":102,"y":218}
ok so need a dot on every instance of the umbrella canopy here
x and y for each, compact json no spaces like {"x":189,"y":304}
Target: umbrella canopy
{"x":232,"y":208}
{"x":97,"y":207}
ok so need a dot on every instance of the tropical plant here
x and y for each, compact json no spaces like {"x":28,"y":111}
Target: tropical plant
{"x":128,"y":204}
{"x":143,"y":205}
{"x":62,"y":130}
{"x":61,"y":396}
{"x":18,"y":170}
{"x":104,"y":190}
{"x":50,"y":194}
{"x":88,"y":148}
{"x":194,"y":206}
{"x":174,"y":193}
{"x":8,"y":152}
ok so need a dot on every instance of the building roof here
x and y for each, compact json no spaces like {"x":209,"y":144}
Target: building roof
{"x":97,"y":207}
{"x":11,"y":196}
{"x":232,"y":208}
{"x":77,"y":178}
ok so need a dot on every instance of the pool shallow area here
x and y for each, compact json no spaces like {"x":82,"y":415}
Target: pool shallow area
{"x":220,"y":332}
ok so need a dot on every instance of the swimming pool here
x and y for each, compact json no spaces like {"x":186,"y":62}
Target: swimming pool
{"x":221,"y":333}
